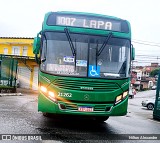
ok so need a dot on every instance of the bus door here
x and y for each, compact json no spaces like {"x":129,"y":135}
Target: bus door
{"x":156,"y":111}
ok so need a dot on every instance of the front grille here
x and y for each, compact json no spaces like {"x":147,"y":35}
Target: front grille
{"x":71,"y":107}
{"x":68,"y":106}
{"x":99,"y":107}
{"x":77,"y":84}
{"x":74,"y":107}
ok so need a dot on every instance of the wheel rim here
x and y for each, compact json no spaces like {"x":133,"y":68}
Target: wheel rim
{"x":150,"y":106}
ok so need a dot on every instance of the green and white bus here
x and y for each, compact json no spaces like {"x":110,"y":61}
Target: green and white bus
{"x":156,"y":111}
{"x":84,"y":64}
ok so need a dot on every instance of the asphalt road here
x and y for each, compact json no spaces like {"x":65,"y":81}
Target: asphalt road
{"x":19,"y":115}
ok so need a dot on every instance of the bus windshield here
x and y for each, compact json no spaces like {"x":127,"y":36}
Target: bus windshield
{"x":92,"y":58}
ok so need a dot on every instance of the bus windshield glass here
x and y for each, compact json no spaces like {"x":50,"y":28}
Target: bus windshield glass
{"x":84,"y":55}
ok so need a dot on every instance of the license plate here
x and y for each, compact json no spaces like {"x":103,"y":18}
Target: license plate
{"x":85,"y":109}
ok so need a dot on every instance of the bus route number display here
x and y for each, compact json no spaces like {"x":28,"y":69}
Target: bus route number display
{"x":87,"y":22}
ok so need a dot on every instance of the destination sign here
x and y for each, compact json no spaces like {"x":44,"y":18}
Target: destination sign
{"x":87,"y":22}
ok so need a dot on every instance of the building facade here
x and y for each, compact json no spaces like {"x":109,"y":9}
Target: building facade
{"x":140,"y":77}
{"x":21,"y":49}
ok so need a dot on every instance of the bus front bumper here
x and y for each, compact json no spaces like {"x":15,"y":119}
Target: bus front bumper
{"x":48,"y":106}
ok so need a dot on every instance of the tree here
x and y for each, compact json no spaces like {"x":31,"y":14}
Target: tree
{"x":154,"y":72}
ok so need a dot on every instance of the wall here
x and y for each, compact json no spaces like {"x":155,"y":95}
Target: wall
{"x":20,"y":42}
{"x":24,"y":63}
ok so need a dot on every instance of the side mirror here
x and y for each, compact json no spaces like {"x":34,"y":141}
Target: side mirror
{"x":132,"y":53}
{"x":36,"y":45}
{"x":36,"y":48}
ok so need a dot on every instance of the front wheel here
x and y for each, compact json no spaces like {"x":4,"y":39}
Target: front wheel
{"x":150,"y":106}
{"x":101,"y":119}
{"x":46,"y":114}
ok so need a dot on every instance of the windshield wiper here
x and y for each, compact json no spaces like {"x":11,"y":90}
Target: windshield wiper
{"x":96,"y":54}
{"x":104,"y":44}
{"x":73,"y":49}
{"x":70,"y":41}
{"x":45,"y":50}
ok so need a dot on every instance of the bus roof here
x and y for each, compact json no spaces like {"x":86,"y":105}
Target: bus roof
{"x":87,"y":13}
{"x":86,"y":21}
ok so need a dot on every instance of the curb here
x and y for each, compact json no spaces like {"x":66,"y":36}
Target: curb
{"x":10,"y":94}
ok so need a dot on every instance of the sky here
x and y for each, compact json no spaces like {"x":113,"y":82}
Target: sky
{"x":23,"y":18}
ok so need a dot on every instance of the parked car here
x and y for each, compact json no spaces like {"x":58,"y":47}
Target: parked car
{"x":149,"y":103}
{"x":154,"y":87}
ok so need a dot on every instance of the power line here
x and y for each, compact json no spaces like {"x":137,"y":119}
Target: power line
{"x":148,"y":55}
{"x":143,"y":61}
{"x":147,"y":58}
{"x":155,"y":53}
{"x":142,"y":43}
{"x":145,"y":41}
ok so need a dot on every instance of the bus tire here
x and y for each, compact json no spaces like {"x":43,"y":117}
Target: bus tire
{"x":46,"y":114}
{"x":101,"y":119}
{"x":154,"y":117}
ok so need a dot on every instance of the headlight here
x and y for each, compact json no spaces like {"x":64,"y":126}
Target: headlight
{"x":125,"y":94}
{"x":43,"y":89}
{"x":118,"y":99}
{"x":49,"y":94}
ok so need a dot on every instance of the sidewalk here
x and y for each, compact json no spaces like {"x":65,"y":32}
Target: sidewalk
{"x":25,"y":91}
{"x":20,"y":92}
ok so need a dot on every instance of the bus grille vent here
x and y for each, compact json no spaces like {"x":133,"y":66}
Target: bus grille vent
{"x":77,"y":84}
{"x":74,"y":107}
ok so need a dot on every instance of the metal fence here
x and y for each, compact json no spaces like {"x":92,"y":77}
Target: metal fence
{"x":8,"y":71}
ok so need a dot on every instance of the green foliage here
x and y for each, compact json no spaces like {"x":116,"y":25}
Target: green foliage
{"x":155,"y":72}
{"x":5,"y":86}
